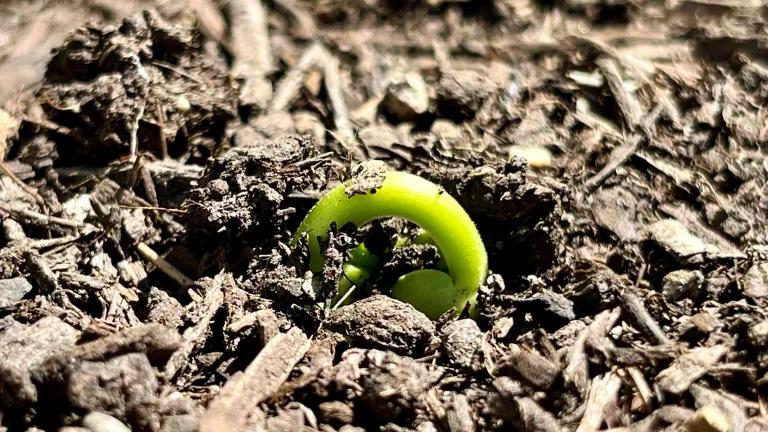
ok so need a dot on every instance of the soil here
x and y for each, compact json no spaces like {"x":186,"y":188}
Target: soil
{"x":157,"y":157}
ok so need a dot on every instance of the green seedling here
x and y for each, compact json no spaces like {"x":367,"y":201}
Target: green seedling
{"x":439,"y":215}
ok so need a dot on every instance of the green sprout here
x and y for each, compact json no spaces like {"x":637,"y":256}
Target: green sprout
{"x":440,"y":216}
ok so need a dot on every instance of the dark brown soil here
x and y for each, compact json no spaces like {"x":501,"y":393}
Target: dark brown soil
{"x":157,"y":157}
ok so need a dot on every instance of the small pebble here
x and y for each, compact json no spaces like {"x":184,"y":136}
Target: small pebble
{"x":99,"y":422}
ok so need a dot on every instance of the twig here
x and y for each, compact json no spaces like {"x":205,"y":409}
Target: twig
{"x":639,"y":316}
{"x":194,"y":337}
{"x":340,"y":113}
{"x":623,"y":153}
{"x":164,"y":266}
{"x":628,"y":104}
{"x":344,"y":297}
{"x":39,"y":218}
{"x":46,"y":243}
{"x":289,"y":86}
{"x":154,"y":208}
{"x":27,"y":189}
{"x":618,"y":157}
{"x":252,"y":51}
{"x":134,"y":143}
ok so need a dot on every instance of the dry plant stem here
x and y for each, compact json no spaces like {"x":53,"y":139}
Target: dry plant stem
{"x":252,"y":51}
{"x":39,"y":218}
{"x":289,"y":86}
{"x":46,"y":243}
{"x":164,"y":266}
{"x":335,"y":90}
{"x":27,"y":189}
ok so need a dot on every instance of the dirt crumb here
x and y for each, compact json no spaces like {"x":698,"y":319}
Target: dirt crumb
{"x":383,"y":322}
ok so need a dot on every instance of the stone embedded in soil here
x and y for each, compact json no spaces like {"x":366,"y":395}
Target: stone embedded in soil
{"x":124,"y":387}
{"x":616,"y":209}
{"x":461,"y":341}
{"x":681,"y":284}
{"x":758,"y":334}
{"x":383,"y":322}
{"x":13,"y":290}
{"x":405,"y":97}
{"x":101,"y":422}
{"x":394,"y":386}
{"x":23,"y":348}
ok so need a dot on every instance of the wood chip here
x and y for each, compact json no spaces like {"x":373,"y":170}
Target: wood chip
{"x":195,"y":336}
{"x":602,"y":396}
{"x":252,"y":51}
{"x":230,"y":409}
{"x":733,"y":414}
{"x":688,"y":368}
{"x":576,"y":372}
{"x":638,"y":315}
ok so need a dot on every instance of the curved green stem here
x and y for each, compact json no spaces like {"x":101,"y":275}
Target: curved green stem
{"x":424,"y":203}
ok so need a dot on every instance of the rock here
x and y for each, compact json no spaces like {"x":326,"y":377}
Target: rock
{"x":100,"y":422}
{"x":615,"y":209}
{"x":536,"y":156}
{"x":13,"y":290}
{"x":124,"y":387}
{"x":379,"y":137}
{"x":461,"y":340}
{"x":681,"y":284}
{"x":383,"y":322}
{"x":273,"y":125}
{"x":755,"y":281}
{"x":406,"y":97}
{"x":179,"y":413}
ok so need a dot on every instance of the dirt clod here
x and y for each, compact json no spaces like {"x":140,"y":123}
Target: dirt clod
{"x":383,"y":322}
{"x":124,"y":387}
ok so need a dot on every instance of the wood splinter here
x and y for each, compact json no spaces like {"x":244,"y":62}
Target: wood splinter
{"x":169,"y":269}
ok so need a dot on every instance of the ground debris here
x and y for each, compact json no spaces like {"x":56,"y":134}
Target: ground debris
{"x":611,"y":154}
{"x":462,"y":341}
{"x":25,"y":349}
{"x":124,"y":387}
{"x":393,"y":387}
{"x":384,"y":323}
{"x":231,"y":408}
{"x":688,"y":368}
